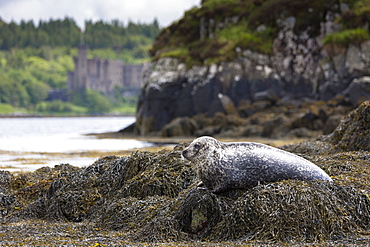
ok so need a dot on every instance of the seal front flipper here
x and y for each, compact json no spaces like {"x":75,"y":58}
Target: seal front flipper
{"x":220,"y":189}
{"x":200,"y":186}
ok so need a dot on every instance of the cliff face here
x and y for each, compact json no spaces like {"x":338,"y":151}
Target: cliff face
{"x":299,"y":65}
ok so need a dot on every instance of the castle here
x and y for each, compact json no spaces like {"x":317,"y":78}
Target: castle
{"x":103,"y":75}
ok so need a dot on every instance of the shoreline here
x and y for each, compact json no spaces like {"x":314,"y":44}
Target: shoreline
{"x":66,"y":116}
{"x":276,"y":142}
{"x":25,"y":160}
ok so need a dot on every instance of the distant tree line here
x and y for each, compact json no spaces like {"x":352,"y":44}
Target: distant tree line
{"x":35,"y":60}
{"x":66,"y":33}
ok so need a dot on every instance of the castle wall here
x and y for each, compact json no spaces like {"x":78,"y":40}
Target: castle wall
{"x":132,"y":75}
{"x":103,"y":75}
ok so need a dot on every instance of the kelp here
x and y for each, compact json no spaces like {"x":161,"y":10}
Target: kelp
{"x":152,"y":197}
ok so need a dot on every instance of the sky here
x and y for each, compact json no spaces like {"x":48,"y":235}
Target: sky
{"x":143,"y":11}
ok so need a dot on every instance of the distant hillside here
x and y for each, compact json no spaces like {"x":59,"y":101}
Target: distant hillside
{"x":35,"y":60}
{"x":218,"y":29}
{"x":56,"y":33}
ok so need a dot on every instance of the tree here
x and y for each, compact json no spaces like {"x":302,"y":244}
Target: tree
{"x":97,"y":103}
{"x":12,"y":92}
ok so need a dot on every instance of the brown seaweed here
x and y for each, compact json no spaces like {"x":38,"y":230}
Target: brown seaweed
{"x":151,"y":197}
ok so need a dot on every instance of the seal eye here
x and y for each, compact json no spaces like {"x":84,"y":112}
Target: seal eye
{"x":196,"y":146}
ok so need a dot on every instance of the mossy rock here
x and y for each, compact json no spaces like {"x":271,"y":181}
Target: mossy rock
{"x":292,"y":211}
{"x":353,"y":132}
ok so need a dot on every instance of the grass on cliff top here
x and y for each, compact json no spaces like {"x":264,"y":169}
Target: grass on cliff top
{"x":346,"y":37}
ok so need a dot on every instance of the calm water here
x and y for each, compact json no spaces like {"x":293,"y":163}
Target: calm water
{"x":25,"y":139}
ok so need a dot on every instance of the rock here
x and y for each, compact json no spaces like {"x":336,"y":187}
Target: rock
{"x":276,"y":127}
{"x":308,"y":120}
{"x":247,"y":110}
{"x":354,"y":61}
{"x":199,"y":213}
{"x":303,"y":133}
{"x":182,"y":126}
{"x":266,"y":95}
{"x":171,"y":91}
{"x":358,"y":91}
{"x":208,"y":131}
{"x":300,"y":64}
{"x":251,"y":130}
{"x":332,"y":123}
{"x":227,"y":104}
{"x":167,"y":95}
{"x":128,"y":129}
{"x":353,"y":132}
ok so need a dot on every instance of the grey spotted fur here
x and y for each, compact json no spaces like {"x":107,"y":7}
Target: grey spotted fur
{"x":222,"y":166}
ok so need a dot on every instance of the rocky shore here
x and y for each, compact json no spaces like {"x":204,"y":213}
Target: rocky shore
{"x":290,"y":68}
{"x":149,"y":198}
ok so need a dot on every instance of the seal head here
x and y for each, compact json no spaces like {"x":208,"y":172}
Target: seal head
{"x":222,"y":166}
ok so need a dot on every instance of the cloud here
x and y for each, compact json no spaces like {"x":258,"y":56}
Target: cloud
{"x":145,"y":11}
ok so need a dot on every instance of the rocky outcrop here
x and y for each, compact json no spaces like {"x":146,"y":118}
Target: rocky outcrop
{"x":300,"y":66}
{"x":262,"y":119}
{"x":171,"y":91}
{"x":352,"y":134}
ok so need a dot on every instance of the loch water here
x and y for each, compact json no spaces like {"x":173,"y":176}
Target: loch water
{"x":40,"y":138}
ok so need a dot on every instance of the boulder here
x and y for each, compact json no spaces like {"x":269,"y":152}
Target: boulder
{"x":353,"y":132}
{"x":227,"y":104}
{"x":182,"y":126}
{"x":332,"y":123}
{"x":358,"y":91}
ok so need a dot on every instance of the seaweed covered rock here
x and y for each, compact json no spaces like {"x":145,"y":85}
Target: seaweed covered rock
{"x":352,"y":134}
{"x":152,"y":197}
{"x":199,"y":213}
{"x":7,"y":199}
{"x":72,"y":195}
{"x":287,"y":211}
{"x":293,"y":211}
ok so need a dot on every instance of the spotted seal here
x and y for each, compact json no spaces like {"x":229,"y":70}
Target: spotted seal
{"x":222,"y":166}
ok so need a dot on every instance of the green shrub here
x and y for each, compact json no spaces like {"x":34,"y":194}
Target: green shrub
{"x":241,"y":36}
{"x":58,"y":106}
{"x":97,"y":103}
{"x":6,"y":108}
{"x":180,"y":52}
{"x":346,"y":37}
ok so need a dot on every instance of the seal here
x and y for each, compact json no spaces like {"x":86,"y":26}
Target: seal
{"x":223,"y":166}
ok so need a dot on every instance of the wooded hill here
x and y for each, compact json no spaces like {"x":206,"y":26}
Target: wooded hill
{"x":55,"y":33}
{"x":35,"y":59}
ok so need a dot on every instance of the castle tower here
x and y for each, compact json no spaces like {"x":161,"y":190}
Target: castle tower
{"x":78,"y":78}
{"x":81,"y":67}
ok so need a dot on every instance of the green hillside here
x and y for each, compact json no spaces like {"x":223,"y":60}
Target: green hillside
{"x":36,"y":59}
{"x":218,"y":29}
